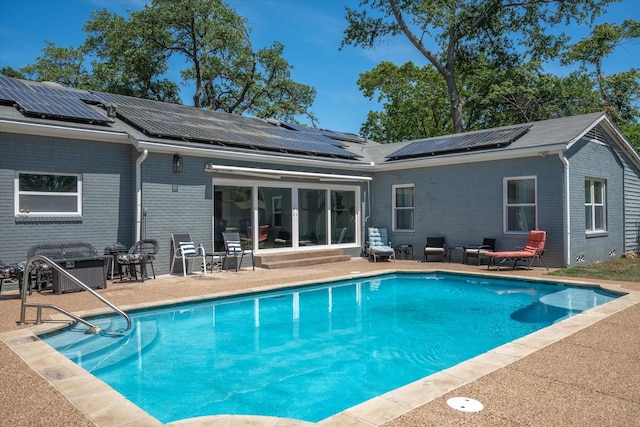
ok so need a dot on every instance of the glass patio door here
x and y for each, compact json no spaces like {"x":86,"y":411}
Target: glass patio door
{"x":284,"y":216}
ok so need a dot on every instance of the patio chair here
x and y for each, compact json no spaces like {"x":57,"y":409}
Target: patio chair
{"x":233,"y":247}
{"x":378,"y":245}
{"x":184,"y":249}
{"x":435,"y":246}
{"x":533,"y":250}
{"x":136,"y":260}
{"x":478,"y":251}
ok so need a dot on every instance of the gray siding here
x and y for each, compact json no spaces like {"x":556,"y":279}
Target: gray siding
{"x":108,"y":183}
{"x":631,"y":203}
{"x":464,"y":203}
{"x":183,"y":202}
{"x":594,"y":160}
{"x":175,"y":203}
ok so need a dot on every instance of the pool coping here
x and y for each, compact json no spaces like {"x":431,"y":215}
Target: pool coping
{"x":107,"y":407}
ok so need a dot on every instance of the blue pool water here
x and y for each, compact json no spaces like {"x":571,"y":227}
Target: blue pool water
{"x":313,"y":351}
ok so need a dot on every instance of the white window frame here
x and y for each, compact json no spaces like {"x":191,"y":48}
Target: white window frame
{"x":593,"y":205}
{"x":507,"y":205}
{"x":276,"y":209}
{"x":395,"y":208}
{"x":27,"y":213}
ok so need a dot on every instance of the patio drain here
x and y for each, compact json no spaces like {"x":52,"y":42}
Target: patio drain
{"x":465,"y":404}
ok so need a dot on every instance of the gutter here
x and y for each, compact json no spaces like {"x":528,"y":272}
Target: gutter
{"x":138,"y":224}
{"x":567,"y":208}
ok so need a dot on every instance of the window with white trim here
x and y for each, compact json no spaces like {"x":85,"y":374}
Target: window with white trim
{"x":41,"y":194}
{"x":520,"y":204}
{"x":594,"y":205}
{"x":403,"y":207}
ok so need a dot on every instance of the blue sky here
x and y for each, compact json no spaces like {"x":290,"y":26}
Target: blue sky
{"x":311,"y":31}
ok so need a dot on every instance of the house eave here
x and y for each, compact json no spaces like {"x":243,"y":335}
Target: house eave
{"x":246,"y":155}
{"x":40,"y":129}
{"x":460,"y":158}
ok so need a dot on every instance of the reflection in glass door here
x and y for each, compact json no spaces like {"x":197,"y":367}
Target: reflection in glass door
{"x":312,"y":217}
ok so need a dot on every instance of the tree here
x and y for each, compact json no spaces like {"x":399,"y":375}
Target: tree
{"x":61,"y":65}
{"x":414,"y":103}
{"x":11,"y":72}
{"x":452,"y":33}
{"x":124,"y":63}
{"x":130,"y":57}
{"x":619,"y":93}
{"x":227,"y":73}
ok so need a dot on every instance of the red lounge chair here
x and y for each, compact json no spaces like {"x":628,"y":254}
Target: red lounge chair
{"x":533,"y":249}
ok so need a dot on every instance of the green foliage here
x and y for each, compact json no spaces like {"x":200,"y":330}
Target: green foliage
{"x":471,"y":43}
{"x":414,"y":104}
{"x":124,"y":63}
{"x":229,"y":75}
{"x":129,"y":57}
{"x":61,"y":65}
{"x":10,"y":72}
{"x":619,"y":93}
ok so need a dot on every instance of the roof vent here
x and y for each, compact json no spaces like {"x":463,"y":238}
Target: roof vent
{"x":111,"y":110}
{"x":597,"y":134}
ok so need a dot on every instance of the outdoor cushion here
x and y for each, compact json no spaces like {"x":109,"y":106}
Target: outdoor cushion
{"x":188,"y":249}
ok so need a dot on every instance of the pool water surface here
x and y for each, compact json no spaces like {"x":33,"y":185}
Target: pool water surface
{"x":313,"y":351}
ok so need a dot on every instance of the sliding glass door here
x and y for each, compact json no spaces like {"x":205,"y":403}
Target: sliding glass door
{"x":285,"y":215}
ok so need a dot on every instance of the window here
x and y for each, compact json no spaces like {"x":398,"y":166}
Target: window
{"x":594,"y":206}
{"x":45,"y":194}
{"x":520,"y":204}
{"x":403,"y":207}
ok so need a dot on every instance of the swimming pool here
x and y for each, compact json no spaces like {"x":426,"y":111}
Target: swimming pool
{"x":310,"y":352}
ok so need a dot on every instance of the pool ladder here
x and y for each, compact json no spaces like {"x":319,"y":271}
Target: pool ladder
{"x":93,"y":329}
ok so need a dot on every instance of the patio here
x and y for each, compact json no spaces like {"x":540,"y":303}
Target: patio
{"x":582,"y":372}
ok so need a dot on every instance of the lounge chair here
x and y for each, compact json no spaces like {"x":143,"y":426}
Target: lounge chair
{"x":139,"y":255}
{"x":533,"y":249}
{"x":378,"y":245}
{"x":184,"y":248}
{"x":478,"y":250}
{"x":435,"y":246}
{"x":233,"y":247}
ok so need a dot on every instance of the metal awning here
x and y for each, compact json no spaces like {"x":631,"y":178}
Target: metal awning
{"x":279,"y":174}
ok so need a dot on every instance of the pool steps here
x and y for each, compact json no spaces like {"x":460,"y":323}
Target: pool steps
{"x":94,"y":352}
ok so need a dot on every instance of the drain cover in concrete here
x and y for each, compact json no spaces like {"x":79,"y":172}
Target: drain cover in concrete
{"x":465,"y":404}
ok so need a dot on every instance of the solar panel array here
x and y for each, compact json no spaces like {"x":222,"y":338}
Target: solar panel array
{"x":175,"y":121}
{"x":460,"y":142}
{"x":44,"y":101}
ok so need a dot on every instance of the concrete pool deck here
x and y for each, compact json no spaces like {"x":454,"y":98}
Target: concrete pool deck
{"x":581,"y":371}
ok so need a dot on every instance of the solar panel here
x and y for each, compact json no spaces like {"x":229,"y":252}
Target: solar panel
{"x":188,"y":123}
{"x":67,"y":93}
{"x":67,"y":108}
{"x":39,"y":100}
{"x":460,"y":142}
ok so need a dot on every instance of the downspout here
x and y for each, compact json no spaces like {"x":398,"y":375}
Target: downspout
{"x":567,"y":208}
{"x":139,"y":161}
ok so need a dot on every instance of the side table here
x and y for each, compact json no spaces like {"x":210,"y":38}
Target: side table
{"x":213,"y":264}
{"x":404,"y":251}
{"x":463,"y":249}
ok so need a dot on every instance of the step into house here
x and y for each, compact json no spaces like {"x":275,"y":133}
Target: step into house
{"x":300,"y":258}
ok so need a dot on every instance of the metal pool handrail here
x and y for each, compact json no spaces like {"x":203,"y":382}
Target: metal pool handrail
{"x":92,"y":328}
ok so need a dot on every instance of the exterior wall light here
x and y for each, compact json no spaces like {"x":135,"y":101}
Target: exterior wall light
{"x":177,"y":163}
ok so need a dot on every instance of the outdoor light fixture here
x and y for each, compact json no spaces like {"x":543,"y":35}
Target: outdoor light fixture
{"x":177,"y":163}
